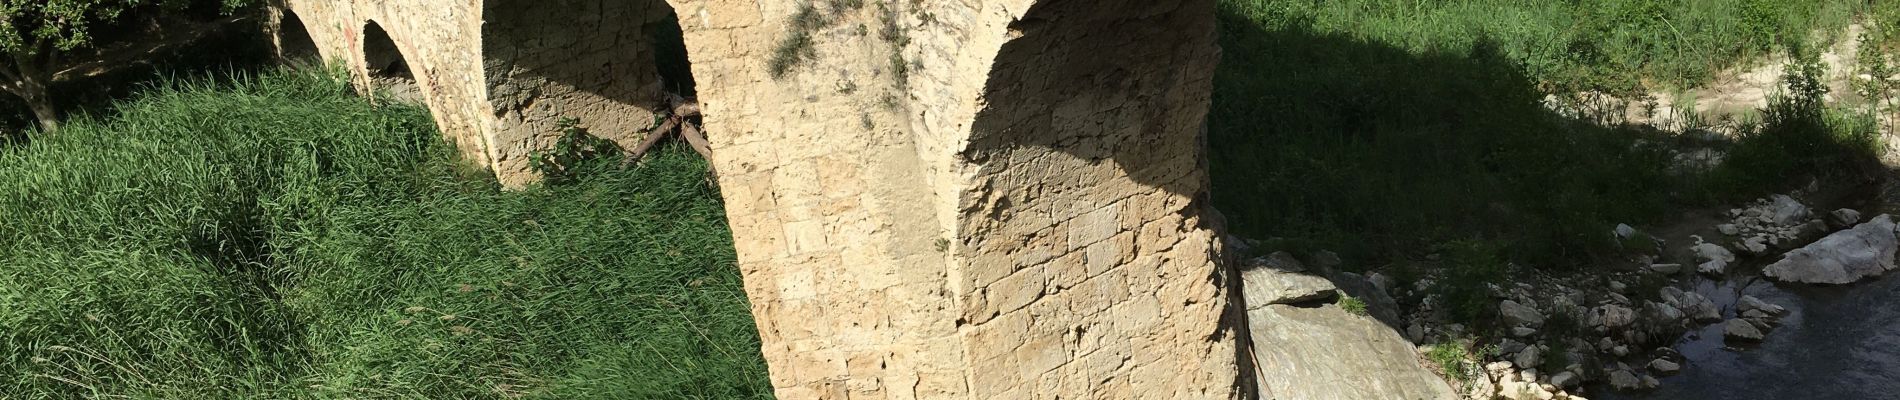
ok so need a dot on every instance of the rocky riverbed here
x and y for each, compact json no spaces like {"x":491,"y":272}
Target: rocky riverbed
{"x":1834,"y":343}
{"x":1713,"y":291}
{"x":1762,"y":301}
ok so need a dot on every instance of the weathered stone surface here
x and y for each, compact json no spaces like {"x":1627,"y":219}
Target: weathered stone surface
{"x":1751,"y":303}
{"x":1741,"y":330}
{"x":1614,"y":316}
{"x":1867,"y":250}
{"x":1785,"y":210}
{"x":1516,"y":314}
{"x":1325,"y":353}
{"x":1565,"y":379}
{"x":1666,"y":269}
{"x":1843,"y":218}
{"x":1706,"y":252}
{"x":1664,"y":367}
{"x":1266,"y":286}
{"x":1015,"y":215}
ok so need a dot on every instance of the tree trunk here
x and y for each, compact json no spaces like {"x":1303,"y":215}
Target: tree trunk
{"x":45,"y":111}
{"x":30,"y":82}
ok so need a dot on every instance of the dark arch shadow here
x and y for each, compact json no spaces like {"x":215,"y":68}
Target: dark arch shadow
{"x":559,"y":67}
{"x":387,"y":66}
{"x":294,"y":44}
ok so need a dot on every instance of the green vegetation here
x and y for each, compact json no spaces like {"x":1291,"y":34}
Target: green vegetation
{"x":1352,"y":305}
{"x":278,"y":238}
{"x":46,"y":41}
{"x":1607,"y":45}
{"x":1454,"y":359}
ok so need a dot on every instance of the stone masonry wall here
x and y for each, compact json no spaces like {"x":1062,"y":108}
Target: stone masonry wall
{"x":935,"y":199}
{"x":1085,"y":266}
{"x":547,"y":60}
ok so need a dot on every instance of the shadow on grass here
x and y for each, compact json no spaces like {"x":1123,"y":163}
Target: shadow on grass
{"x":1449,"y":157}
{"x":1329,"y":141}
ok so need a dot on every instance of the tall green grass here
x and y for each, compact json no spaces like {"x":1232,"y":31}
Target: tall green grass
{"x":1617,"y":46}
{"x":275,"y":237}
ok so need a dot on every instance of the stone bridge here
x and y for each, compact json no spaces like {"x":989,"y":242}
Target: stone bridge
{"x":978,"y":199}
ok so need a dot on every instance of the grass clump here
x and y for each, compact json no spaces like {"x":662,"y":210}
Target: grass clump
{"x":1454,"y":359}
{"x":276,"y":237}
{"x":1352,"y":305}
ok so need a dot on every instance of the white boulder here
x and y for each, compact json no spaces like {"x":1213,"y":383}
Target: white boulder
{"x":1844,"y":257}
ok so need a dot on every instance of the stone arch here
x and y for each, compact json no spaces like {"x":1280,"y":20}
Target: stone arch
{"x":293,"y":40}
{"x":387,"y":66}
{"x":608,"y":66}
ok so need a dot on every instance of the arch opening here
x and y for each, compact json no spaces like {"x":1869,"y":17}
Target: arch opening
{"x":294,"y":44}
{"x":611,"y":69}
{"x":388,"y":68}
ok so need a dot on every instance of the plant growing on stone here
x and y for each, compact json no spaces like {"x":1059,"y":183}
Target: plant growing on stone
{"x":48,"y":41}
{"x":1352,"y":305}
{"x":571,"y":154}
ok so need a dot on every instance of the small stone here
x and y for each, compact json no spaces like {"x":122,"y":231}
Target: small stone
{"x":1619,"y":298}
{"x":1384,"y":283}
{"x":1729,"y":229}
{"x":1663,"y":314}
{"x":1740,"y":330}
{"x":1666,"y":269}
{"x":1843,"y":218}
{"x":1523,"y":331}
{"x":1620,"y":350}
{"x":1664,"y":367}
{"x":1748,"y":303}
{"x":1509,"y":346}
{"x":1529,"y":358}
{"x":1415,"y":333}
{"x":1786,"y":211}
{"x":1517,"y":314}
{"x":1565,"y":379}
{"x":1713,"y":268}
{"x":1624,"y":380}
{"x":1649,"y":382}
{"x":1700,"y":308}
{"x":1624,"y":231}
{"x":1614,"y":316}
{"x":1711,"y":252}
{"x":1753,"y":245}
{"x":1755,"y":315}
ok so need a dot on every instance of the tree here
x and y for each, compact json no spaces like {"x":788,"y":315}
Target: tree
{"x":47,"y":41}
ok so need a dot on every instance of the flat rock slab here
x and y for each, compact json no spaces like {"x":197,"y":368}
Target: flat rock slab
{"x":1264,"y":286}
{"x":1844,"y":257}
{"x":1326,"y":353}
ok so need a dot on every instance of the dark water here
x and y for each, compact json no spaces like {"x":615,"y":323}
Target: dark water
{"x":1837,"y":343}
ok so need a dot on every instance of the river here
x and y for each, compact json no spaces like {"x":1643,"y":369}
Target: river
{"x":1836,"y":343}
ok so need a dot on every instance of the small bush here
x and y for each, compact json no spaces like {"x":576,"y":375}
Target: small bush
{"x":1799,"y":137}
{"x":1454,"y":359}
{"x":1471,"y":268}
{"x":576,"y":152}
